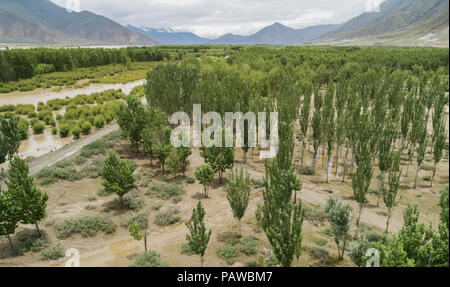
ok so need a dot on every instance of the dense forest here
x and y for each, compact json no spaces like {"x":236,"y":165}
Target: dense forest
{"x":19,"y":64}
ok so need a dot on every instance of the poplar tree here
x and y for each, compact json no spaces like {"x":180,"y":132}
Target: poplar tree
{"x":198,"y":238}
{"x":317,"y":133}
{"x":10,"y":214}
{"x":238,"y":193}
{"x":329,"y":125}
{"x":384,"y":158}
{"x":10,"y":137}
{"x":390,"y":193}
{"x":132,"y":118}
{"x":117,"y":176}
{"x":420,"y":151}
{"x":361,"y":179}
{"x":280,"y":218}
{"x":32,"y":201}
{"x":205,"y":175}
{"x":305,"y":116}
{"x":339,"y":216}
{"x":438,"y":146}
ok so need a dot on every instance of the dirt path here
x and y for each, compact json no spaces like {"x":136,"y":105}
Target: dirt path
{"x":68,"y":150}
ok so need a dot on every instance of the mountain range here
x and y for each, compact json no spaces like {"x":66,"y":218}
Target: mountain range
{"x":170,"y":37}
{"x":398,"y":22}
{"x":42,"y":21}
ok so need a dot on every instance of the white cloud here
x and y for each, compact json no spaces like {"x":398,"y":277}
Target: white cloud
{"x":212,"y":18}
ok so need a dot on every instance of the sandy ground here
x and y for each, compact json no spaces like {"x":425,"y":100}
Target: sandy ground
{"x":71,"y":199}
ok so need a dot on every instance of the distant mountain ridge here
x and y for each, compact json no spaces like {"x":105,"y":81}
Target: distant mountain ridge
{"x":42,"y":21}
{"x":396,"y":21}
{"x":169,"y":37}
{"x":277,"y":34}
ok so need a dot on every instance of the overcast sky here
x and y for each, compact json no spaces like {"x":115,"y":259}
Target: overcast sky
{"x":212,"y":18}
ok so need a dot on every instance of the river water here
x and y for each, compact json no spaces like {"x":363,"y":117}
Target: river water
{"x":38,"y":145}
{"x":41,"y":95}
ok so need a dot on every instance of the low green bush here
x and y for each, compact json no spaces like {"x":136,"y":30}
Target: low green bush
{"x":38,"y":128}
{"x":167,"y":216}
{"x":306,"y":170}
{"x":165,"y":190}
{"x":248,"y":246}
{"x":149,"y":259}
{"x":87,"y":226}
{"x":52,"y":252}
{"x":228,"y":253}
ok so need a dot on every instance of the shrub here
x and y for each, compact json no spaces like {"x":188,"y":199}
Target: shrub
{"x":177,"y":199}
{"x":54,"y":131}
{"x":87,"y":226}
{"x":315,"y":215}
{"x":258,"y":182}
{"x":38,"y":128}
{"x":29,"y":240}
{"x":248,"y":246}
{"x":165,"y":190}
{"x":251,"y":262}
{"x":64,"y":170}
{"x":306,"y":170}
{"x":157,"y":206}
{"x":272,"y":260}
{"x":52,"y":252}
{"x":149,"y":259}
{"x":99,"y":121}
{"x":86,"y":127}
{"x":131,"y":201}
{"x":141,"y":218}
{"x":64,"y":130}
{"x":76,"y":131}
{"x":167,"y":216}
{"x":228,"y":253}
{"x":321,"y":241}
{"x":190,"y":180}
{"x":427,"y":167}
{"x":321,"y":254}
{"x":186,"y":249}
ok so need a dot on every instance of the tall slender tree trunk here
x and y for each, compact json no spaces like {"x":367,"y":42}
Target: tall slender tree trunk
{"x":10,"y":242}
{"x":37,"y":229}
{"x":240,"y":227}
{"x":434,"y":174}
{"x":352,"y":162}
{"x":338,"y":154}
{"x":323,"y":155}
{"x":145,"y":240}
{"x":344,"y":170}
{"x":380,"y":192}
{"x":329,"y":165}
{"x":303,"y":153}
{"x":388,"y":219}
{"x":361,"y":207}
{"x":315,"y":160}
{"x":201,"y":260}
{"x":417,"y":174}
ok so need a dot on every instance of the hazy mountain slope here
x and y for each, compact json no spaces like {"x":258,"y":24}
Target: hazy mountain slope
{"x":396,"y":20}
{"x":276,"y":34}
{"x":170,"y":37}
{"x":65,"y":27}
{"x":14,"y":28}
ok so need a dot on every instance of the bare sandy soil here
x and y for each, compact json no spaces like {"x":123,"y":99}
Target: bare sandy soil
{"x":71,"y":199}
